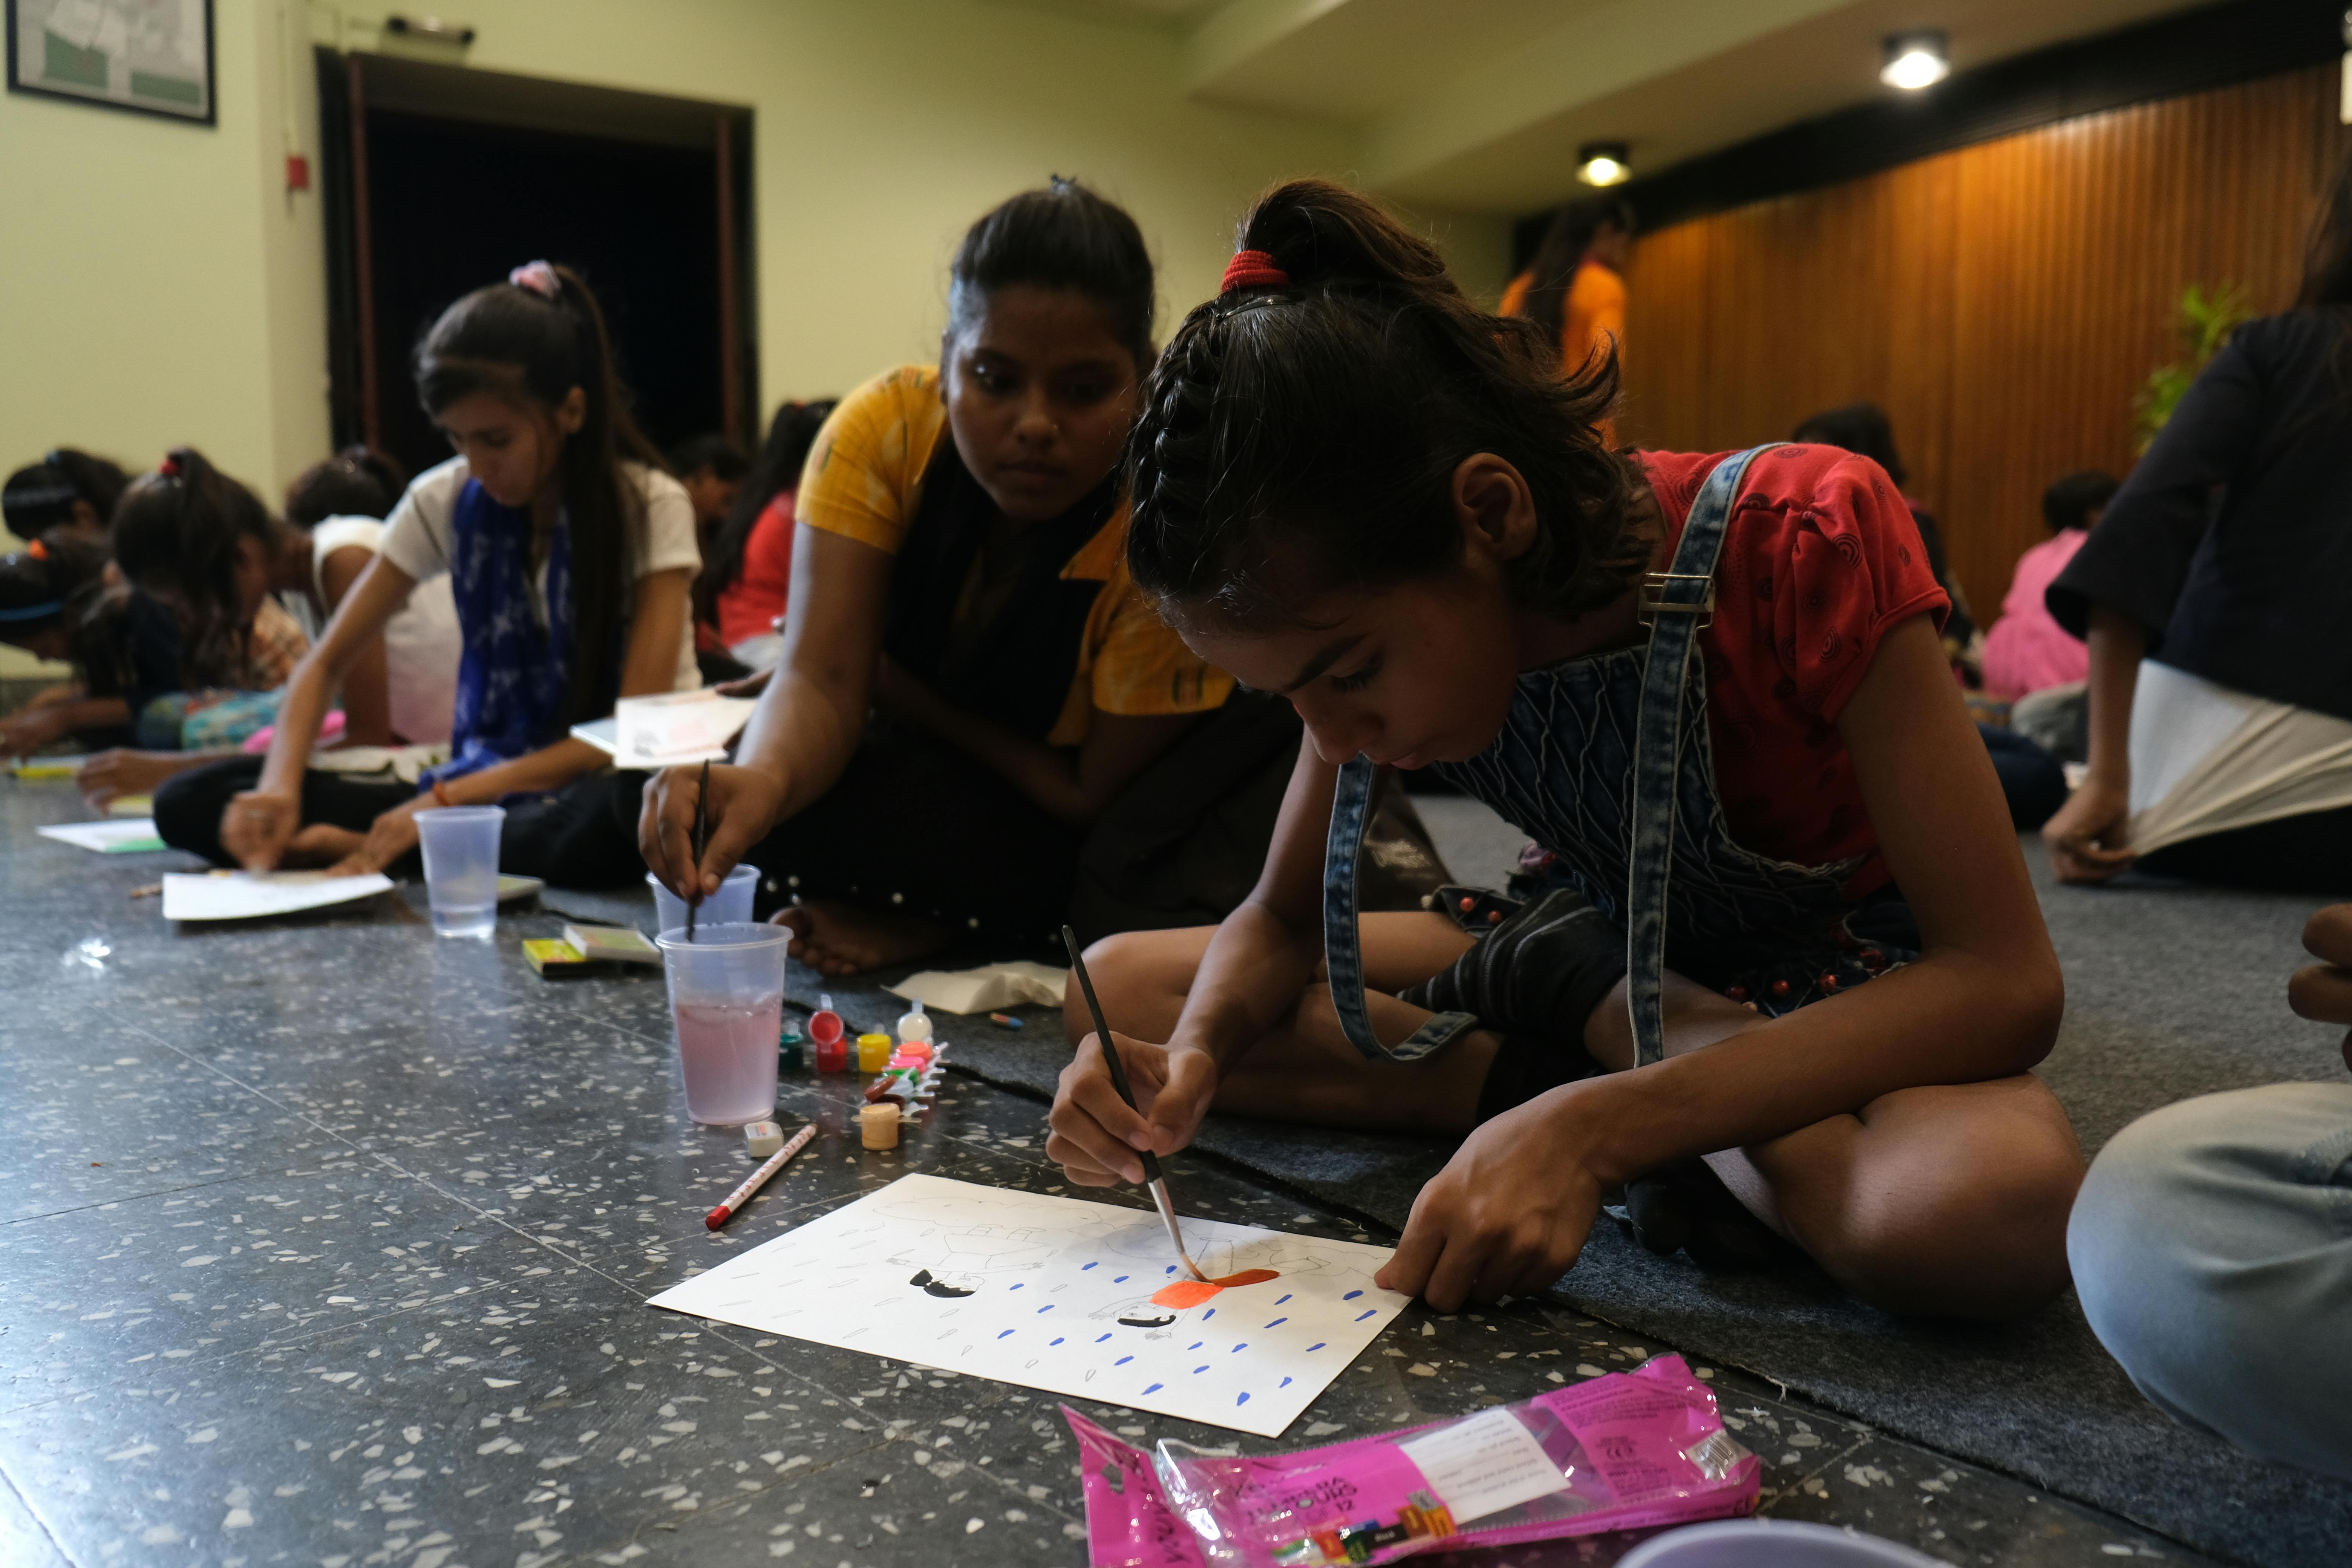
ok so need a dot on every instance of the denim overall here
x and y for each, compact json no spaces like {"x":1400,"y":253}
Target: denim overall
{"x":1605,"y":762}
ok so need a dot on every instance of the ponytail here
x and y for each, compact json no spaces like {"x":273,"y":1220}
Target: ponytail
{"x":177,"y":531}
{"x":789,"y":436}
{"x":535,"y":337}
{"x":1315,"y":412}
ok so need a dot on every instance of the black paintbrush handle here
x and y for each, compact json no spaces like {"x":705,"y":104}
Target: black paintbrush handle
{"x":1111,"y":1052}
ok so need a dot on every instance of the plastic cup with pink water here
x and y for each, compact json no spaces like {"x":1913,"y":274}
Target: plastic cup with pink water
{"x":726,"y":1003}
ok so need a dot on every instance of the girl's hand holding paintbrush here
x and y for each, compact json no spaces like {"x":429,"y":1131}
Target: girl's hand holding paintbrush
{"x":1096,"y":1138}
{"x":742,"y":805}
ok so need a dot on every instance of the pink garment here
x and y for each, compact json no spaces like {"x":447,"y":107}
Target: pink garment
{"x":330,"y":733}
{"x":2026,"y":650}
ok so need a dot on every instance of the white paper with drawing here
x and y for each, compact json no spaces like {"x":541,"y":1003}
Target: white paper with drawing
{"x":1075,"y":1298}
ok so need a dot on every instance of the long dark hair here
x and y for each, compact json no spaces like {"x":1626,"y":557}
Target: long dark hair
{"x":1318,"y":424}
{"x":790,"y":434}
{"x":516,"y":343}
{"x":40,"y":496}
{"x":1063,"y":236}
{"x":1562,"y":252}
{"x":358,"y":481}
{"x":176,"y":533}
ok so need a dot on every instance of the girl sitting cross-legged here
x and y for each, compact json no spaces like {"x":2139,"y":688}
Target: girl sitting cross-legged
{"x":1782,"y":962}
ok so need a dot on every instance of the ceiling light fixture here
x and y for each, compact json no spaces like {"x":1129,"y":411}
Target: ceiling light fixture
{"x":1915,"y":60}
{"x":1604,"y":164}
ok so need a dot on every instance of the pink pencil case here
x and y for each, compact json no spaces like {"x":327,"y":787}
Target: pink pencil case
{"x":1624,"y":1451}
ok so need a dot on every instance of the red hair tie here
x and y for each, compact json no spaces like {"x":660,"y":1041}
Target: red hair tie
{"x":168,"y":468}
{"x":1253,"y":269}
{"x":36,"y":550}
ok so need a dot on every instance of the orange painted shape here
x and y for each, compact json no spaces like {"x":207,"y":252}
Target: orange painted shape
{"x":1184,"y":1293}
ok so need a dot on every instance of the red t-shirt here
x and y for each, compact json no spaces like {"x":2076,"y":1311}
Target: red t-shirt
{"x":1820,"y":559}
{"x":751,"y":604}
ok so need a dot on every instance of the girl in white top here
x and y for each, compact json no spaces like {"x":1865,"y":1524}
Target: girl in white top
{"x":570,"y":556}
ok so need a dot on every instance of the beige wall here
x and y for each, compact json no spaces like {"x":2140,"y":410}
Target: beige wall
{"x":159,"y":286}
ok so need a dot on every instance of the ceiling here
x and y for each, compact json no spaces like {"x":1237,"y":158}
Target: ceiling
{"x":1479,"y":105}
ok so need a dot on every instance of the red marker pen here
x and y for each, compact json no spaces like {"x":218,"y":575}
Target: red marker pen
{"x":752,"y":1183}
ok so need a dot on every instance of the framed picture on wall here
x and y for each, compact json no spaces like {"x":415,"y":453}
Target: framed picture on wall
{"x":153,"y":57}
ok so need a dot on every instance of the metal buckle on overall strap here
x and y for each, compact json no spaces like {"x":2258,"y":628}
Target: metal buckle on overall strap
{"x":1655,"y":588}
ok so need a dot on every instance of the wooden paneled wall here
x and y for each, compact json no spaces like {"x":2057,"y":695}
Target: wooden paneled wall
{"x":2001,"y":302}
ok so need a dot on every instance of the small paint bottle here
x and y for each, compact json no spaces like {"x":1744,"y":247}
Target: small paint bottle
{"x":915,"y":1051}
{"x":914,"y":1023}
{"x":826,"y":1032}
{"x":790,"y":1051}
{"x":877,"y":1125}
{"x":872,"y":1052}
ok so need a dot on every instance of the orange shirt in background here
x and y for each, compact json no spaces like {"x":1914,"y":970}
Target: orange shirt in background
{"x":1595,"y":306}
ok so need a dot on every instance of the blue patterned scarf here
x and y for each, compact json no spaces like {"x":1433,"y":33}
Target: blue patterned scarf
{"x":512,"y":675}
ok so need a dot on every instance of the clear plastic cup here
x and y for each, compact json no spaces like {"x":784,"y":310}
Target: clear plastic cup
{"x":461,"y":868}
{"x":727,"y":1005}
{"x":730,"y":905}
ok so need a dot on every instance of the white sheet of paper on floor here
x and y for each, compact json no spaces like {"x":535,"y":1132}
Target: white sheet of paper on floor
{"x":1483,"y":1464}
{"x":244,"y":896}
{"x":1055,"y":1293}
{"x":123,"y":836}
{"x":987,"y":989}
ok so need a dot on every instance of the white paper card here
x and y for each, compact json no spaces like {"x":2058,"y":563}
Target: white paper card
{"x":1483,"y":1464}
{"x":677,"y":727}
{"x":1055,"y":1293}
{"x":122,"y":836}
{"x":243,"y":895}
{"x":986,"y":989}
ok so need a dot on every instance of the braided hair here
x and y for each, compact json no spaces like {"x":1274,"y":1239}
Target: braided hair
{"x":1301,"y":430}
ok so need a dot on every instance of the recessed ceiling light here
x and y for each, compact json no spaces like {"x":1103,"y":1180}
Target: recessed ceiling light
{"x":1915,"y":60}
{"x":1604,"y":164}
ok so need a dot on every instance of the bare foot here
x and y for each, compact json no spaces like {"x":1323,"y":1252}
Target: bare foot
{"x":843,"y":938}
{"x":320,"y":844}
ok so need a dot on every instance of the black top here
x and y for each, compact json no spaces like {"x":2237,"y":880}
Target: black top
{"x":998,"y":634}
{"x":2231,"y":543}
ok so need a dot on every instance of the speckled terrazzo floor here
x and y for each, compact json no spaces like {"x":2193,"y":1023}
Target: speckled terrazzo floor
{"x":325,"y":1242}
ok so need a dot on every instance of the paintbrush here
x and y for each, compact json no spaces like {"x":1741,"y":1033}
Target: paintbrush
{"x":701,"y":842}
{"x":1151,"y":1175}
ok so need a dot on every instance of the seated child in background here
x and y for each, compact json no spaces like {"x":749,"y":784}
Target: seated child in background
{"x":56,"y":603}
{"x":570,"y":552}
{"x":711,"y":468}
{"x":2211,"y":1255}
{"x":340,"y":504}
{"x":69,"y":489}
{"x":196,"y":541}
{"x":747,"y":571}
{"x":2027,"y":650}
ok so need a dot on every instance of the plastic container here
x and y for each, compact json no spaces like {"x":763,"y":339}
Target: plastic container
{"x":914,"y":1023}
{"x":792,"y":1052}
{"x":1771,"y":1543}
{"x":730,"y":905}
{"x":727,"y":1005}
{"x":877,"y":1126}
{"x":461,"y":868}
{"x":872,"y":1052}
{"x":828,"y":1035}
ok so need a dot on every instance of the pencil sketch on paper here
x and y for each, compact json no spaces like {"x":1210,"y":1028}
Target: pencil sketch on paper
{"x":1065,"y":1294}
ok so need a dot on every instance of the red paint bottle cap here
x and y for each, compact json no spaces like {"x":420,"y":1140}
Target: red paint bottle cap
{"x":826,"y":1027}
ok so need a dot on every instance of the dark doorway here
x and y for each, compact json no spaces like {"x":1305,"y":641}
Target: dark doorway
{"x":442,"y":179}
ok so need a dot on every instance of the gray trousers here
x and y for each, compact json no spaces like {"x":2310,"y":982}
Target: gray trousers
{"x":2213,"y":1250}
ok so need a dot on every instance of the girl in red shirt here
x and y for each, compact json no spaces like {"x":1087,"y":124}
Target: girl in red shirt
{"x":744,"y":582}
{"x":1778,"y":955}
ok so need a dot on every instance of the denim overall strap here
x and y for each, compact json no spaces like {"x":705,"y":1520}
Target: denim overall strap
{"x":1676,"y":603}
{"x":1351,"y":807}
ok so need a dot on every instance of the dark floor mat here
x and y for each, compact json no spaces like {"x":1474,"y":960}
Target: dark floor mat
{"x":2172,"y":992}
